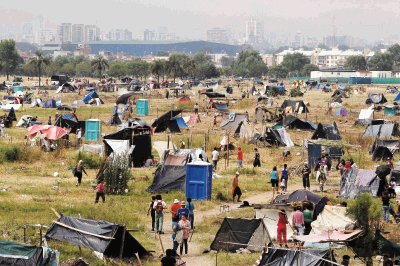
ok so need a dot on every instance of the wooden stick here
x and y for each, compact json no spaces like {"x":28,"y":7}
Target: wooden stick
{"x":191,"y":235}
{"x":162,"y":246}
{"x":56,"y":213}
{"x":83,"y":232}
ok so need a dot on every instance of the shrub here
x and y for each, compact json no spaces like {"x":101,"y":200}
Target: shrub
{"x":117,"y":174}
{"x":92,"y":161}
{"x":10,"y":154}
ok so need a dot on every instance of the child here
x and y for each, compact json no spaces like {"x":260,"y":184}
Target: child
{"x":153,"y":213}
{"x":100,"y":192}
{"x":285,"y":177}
{"x":321,"y":177}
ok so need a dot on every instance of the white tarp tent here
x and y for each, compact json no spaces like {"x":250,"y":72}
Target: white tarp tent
{"x":366,"y":114}
{"x":24,"y":120}
{"x":270,"y":218}
{"x":8,"y":107}
{"x":93,"y":148}
{"x":119,"y":147}
{"x":331,"y":218}
{"x":285,"y":137}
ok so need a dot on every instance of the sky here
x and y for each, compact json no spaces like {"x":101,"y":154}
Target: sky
{"x":368,"y":19}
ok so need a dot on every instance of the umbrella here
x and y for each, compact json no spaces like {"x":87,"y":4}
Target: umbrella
{"x":33,"y":130}
{"x":54,"y":132}
{"x":123,"y":99}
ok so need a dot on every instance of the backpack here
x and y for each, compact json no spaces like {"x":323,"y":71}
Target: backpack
{"x":159,"y":207}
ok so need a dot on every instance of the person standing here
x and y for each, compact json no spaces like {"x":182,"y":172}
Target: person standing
{"x":152,"y":212}
{"x":176,"y":233}
{"x":49,"y":121}
{"x":185,"y":226}
{"x":306,"y":176}
{"x":298,"y":220}
{"x":385,"y":206}
{"x":307,"y":220}
{"x":236,"y":191}
{"x":321,"y":177}
{"x":159,"y":207}
{"x":281,"y":231}
{"x":183,"y":211}
{"x":79,"y":170}
{"x":239,"y":158}
{"x":79,"y":137}
{"x":169,"y":259}
{"x":182,"y":144}
{"x":100,"y":193}
{"x":215,"y":155}
{"x":190,"y":207}
{"x":285,"y":177}
{"x":196,"y":109}
{"x":274,"y":181}
{"x":257,"y":160}
{"x":174,"y":208}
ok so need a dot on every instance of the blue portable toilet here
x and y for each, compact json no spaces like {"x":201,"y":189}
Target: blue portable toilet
{"x":92,"y":129}
{"x":142,"y":107}
{"x":199,"y":180}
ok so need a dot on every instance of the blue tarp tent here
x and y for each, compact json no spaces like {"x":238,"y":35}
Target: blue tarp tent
{"x":397,"y":97}
{"x":181,"y":123}
{"x":17,"y":88}
{"x":341,"y":112}
{"x":222,"y":107}
{"x":90,"y":96}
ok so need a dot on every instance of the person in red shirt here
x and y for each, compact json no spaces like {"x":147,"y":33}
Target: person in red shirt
{"x":240,"y":158}
{"x":282,"y":222}
{"x":100,"y":192}
{"x":175,"y":207}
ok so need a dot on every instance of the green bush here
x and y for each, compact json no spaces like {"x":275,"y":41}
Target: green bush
{"x":91,"y":161}
{"x":10,"y":154}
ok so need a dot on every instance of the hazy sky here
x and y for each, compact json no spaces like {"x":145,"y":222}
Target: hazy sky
{"x":369,"y":19}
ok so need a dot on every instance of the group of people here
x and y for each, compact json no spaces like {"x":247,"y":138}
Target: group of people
{"x":281,"y":181}
{"x":182,"y":215}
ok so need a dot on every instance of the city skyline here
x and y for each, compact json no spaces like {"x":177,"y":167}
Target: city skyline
{"x":324,"y":18}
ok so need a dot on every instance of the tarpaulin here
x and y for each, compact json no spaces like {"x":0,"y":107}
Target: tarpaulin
{"x":329,"y":236}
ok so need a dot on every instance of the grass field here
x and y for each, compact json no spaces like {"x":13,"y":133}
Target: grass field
{"x":32,"y":189}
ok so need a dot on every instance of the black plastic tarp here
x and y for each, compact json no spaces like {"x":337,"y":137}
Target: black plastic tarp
{"x":383,"y":149}
{"x":100,"y":236}
{"x":64,"y":122}
{"x":286,"y":257}
{"x":296,"y":106}
{"x":13,"y":253}
{"x":376,"y":98}
{"x":293,"y":122}
{"x":123,"y":99}
{"x":329,"y":132}
{"x":11,"y":115}
{"x":214,"y":95}
{"x":240,"y":233}
{"x":161,"y":123}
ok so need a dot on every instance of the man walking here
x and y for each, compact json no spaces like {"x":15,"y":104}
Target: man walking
{"x":215,"y":155}
{"x":159,"y":207}
{"x":236,"y":191}
{"x":306,"y":176}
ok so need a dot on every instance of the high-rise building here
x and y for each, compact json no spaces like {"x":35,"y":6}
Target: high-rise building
{"x":149,"y":35}
{"x":120,"y":35}
{"x":78,"y":33}
{"x":254,"y":32}
{"x":65,"y":32}
{"x":27,"y":32}
{"x":217,"y":35}
{"x":92,"y":33}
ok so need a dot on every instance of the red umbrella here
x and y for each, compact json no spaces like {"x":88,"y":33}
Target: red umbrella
{"x":54,"y":132}
{"x":33,"y":130}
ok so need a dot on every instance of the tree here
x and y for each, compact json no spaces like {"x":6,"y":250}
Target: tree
{"x":39,"y":61}
{"x":99,"y":64}
{"x":226,"y":61}
{"x":294,"y":63}
{"x":9,"y":57}
{"x":278,"y":72}
{"x":175,"y":65}
{"x":249,"y":63}
{"x":118,"y":69}
{"x":84,"y":69}
{"x":117,"y":174}
{"x":356,"y":62}
{"x":308,"y":68}
{"x":157,"y":68}
{"x":381,"y":62}
{"x":394,"y":52}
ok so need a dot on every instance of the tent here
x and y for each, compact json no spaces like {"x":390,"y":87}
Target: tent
{"x":14,"y":253}
{"x":47,"y":131}
{"x":383,"y":149}
{"x":171,"y":175}
{"x":221,"y":107}
{"x":234,"y":122}
{"x":7,"y":107}
{"x":138,"y":134}
{"x":339,"y":93}
{"x":397,"y":98}
{"x":50,"y":104}
{"x":68,"y":121}
{"x":365,"y":117}
{"x":329,"y":131}
{"x":293,"y":122}
{"x":285,"y":257}
{"x":92,"y":97}
{"x":163,"y":123}
{"x":11,"y":117}
{"x":356,"y":181}
{"x":66,"y":87}
{"x":213,"y":94}
{"x":332,"y":218}
{"x":276,"y":137}
{"x":383,"y":131}
{"x":376,"y":98}
{"x":289,"y":106}
{"x":390,"y":110}
{"x":180,"y":122}
{"x":341,"y":111}
{"x":237,"y":233}
{"x":24,"y":121}
{"x":100,"y":236}
{"x":329,"y":236}
{"x":124,"y":98}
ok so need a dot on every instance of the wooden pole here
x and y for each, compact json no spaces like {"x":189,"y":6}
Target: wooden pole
{"x":24,"y":233}
{"x":41,"y":235}
{"x":121,"y":251}
{"x":228,"y":152}
{"x":162,"y":246}
{"x":138,"y":258}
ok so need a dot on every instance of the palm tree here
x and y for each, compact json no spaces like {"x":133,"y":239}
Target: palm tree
{"x":39,"y":61}
{"x":174,"y":66}
{"x":99,"y":64}
{"x":157,"y":68}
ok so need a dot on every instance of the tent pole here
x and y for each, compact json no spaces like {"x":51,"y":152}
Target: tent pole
{"x":41,"y":235}
{"x":121,"y":251}
{"x":216,"y":259}
{"x":24,"y":233}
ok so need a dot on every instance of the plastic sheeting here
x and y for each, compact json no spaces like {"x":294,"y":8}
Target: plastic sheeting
{"x":329,"y":236}
{"x":383,"y":131}
{"x":328,"y":131}
{"x":357,"y":181}
{"x":331,"y":218}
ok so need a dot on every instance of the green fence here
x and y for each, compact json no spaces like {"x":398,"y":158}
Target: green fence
{"x":386,"y":80}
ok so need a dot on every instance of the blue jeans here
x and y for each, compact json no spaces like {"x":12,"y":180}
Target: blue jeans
{"x":385,"y":210}
{"x":159,"y":222}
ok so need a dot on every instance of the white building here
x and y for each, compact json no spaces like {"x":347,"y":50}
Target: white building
{"x":254,"y":32}
{"x":65,"y":32}
{"x":92,"y":33}
{"x":78,"y":33}
{"x":280,"y":56}
{"x":120,"y":35}
{"x":335,"y":58}
{"x":329,"y":74}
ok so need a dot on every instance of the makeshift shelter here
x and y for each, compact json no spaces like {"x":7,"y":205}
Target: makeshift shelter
{"x":275,"y":137}
{"x":47,"y":131}
{"x":341,"y":111}
{"x":339,"y":93}
{"x":331,"y":218}
{"x":263,"y":114}
{"x":365,"y":117}
{"x":289,"y":106}
{"x":112,"y":240}
{"x":391,"y":110}
{"x":24,"y":121}
{"x":92,"y":97}
{"x":171,"y":175}
{"x":66,"y":87}
{"x":328,"y":131}
{"x":383,"y":131}
{"x":397,"y":98}
{"x":221,"y":107}
{"x":50,"y":104}
{"x":7,"y":107}
{"x":293,"y":122}
{"x":239,"y":233}
{"x":213,"y":95}
{"x":9,"y":118}
{"x":284,"y":257}
{"x":68,"y":121}
{"x":64,"y":107}
{"x":137,"y":135}
{"x":356,"y":181}
{"x":13,"y":253}
{"x":166,"y":121}
{"x":234,"y":122}
{"x":376,"y":98}
{"x":329,"y":236}
{"x":124,"y":98}
{"x":383,"y":149}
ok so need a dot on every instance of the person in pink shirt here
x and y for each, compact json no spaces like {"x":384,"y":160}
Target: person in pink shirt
{"x":240,"y":158}
{"x":100,"y":192}
{"x":298,"y":220}
{"x":185,"y":225}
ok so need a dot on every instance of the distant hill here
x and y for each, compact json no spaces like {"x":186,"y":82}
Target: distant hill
{"x":26,"y":47}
